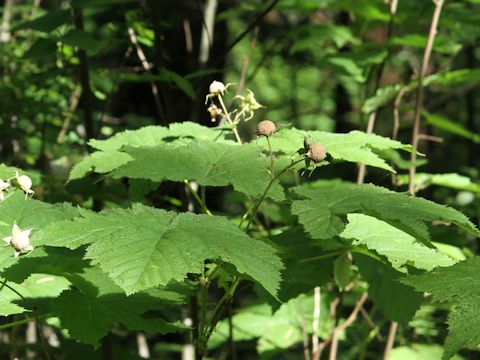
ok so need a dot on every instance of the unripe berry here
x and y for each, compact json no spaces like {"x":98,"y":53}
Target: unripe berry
{"x":266,"y":128}
{"x":317,"y":153}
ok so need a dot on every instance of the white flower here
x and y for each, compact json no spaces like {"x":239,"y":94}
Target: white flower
{"x":20,"y":240}
{"x":4,"y":185}
{"x":25,"y":183}
{"x":217,"y":87}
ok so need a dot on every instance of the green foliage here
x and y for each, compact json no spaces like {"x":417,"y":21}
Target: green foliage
{"x":397,"y":301}
{"x":323,"y":212}
{"x":460,"y":284}
{"x":144,"y":247}
{"x":8,"y":308}
{"x":95,"y":93}
{"x":207,"y":163}
{"x":397,"y":246}
{"x":277,"y":331}
{"x":89,"y":312}
{"x":355,"y":146}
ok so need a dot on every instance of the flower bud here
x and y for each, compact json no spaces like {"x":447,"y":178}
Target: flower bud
{"x":217,"y":87}
{"x":25,"y":183}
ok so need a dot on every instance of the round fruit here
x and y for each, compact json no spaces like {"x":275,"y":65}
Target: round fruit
{"x":317,"y":153}
{"x":266,"y":128}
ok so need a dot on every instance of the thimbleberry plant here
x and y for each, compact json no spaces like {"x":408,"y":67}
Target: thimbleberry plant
{"x":283,"y":251}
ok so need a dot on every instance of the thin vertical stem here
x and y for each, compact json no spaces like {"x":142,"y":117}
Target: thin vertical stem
{"x":272,"y":158}
{"x":420,"y":91}
{"x":315,"y":323}
{"x":391,"y":340}
{"x":373,"y":115}
{"x":87,"y":96}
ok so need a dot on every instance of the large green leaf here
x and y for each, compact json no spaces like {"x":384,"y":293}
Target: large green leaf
{"x":450,"y":180}
{"x":324,"y":211}
{"x":145,"y":247}
{"x":399,"y":247}
{"x":110,"y":156}
{"x":355,"y":146}
{"x":46,"y":22}
{"x":89,"y":311}
{"x":8,"y":308}
{"x":459,"y":283}
{"x":207,"y":163}
{"x":397,"y":301}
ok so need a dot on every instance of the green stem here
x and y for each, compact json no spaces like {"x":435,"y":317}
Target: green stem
{"x":252,"y":211}
{"x":197,"y":198}
{"x":229,"y":119}
{"x":202,"y":341}
{"x":221,"y":306}
{"x":24,"y":321}
{"x":272,"y":158}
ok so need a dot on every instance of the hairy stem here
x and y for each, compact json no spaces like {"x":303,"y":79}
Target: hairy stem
{"x":232,"y":123}
{"x":252,"y":211}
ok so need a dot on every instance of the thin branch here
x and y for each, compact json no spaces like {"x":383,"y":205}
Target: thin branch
{"x":391,"y":340}
{"x":74,"y":99}
{"x":419,"y":98}
{"x":349,"y":321}
{"x":373,"y":115}
{"x":5,"y":26}
{"x":206,"y":39}
{"x":147,"y":66}
{"x":188,"y":36}
{"x":249,"y":28}
{"x":246,"y":61}
{"x":315,"y":322}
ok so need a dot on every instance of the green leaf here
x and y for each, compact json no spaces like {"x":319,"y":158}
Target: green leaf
{"x":381,"y":97}
{"x":280,"y":330}
{"x":27,"y":213}
{"x":348,"y":67}
{"x":443,"y":123}
{"x":89,"y":313}
{"x":459,"y":283}
{"x":397,"y":301}
{"x":397,"y":246}
{"x":110,"y":157}
{"x":355,"y":146}
{"x":304,"y":269}
{"x":442,"y":44}
{"x":207,"y":163}
{"x":145,"y":247}
{"x":8,"y":308}
{"x":341,"y":270}
{"x":324,"y":211}
{"x":46,"y":23}
{"x":451,"y":180}
{"x":419,"y":352}
{"x":80,"y":39}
